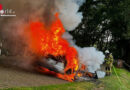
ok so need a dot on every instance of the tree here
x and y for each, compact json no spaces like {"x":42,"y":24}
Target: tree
{"x":105,"y":24}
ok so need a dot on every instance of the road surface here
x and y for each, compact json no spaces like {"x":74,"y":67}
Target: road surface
{"x":11,"y":76}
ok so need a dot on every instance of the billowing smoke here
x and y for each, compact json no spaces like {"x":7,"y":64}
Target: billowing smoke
{"x":91,"y":58}
{"x":12,"y":29}
{"x":69,"y":12}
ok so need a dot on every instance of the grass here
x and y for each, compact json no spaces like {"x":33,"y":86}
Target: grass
{"x":113,"y":83}
{"x":107,"y":83}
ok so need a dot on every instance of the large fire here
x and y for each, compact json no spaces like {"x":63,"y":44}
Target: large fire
{"x":48,"y":41}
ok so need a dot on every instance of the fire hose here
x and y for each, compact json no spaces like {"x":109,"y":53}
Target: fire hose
{"x":119,"y":78}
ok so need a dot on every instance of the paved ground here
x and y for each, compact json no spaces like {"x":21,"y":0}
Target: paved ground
{"x":11,"y":76}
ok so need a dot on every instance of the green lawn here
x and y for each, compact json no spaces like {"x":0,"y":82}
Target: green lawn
{"x":107,"y":83}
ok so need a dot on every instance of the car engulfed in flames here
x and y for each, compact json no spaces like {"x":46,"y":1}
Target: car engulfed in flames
{"x":55,"y":56}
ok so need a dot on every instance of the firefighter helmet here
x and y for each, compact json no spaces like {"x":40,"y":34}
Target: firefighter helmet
{"x":107,"y":51}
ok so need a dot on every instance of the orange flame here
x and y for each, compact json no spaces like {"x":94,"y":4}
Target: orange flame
{"x":48,"y":41}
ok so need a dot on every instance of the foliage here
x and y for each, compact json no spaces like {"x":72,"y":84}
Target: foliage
{"x":105,"y":23}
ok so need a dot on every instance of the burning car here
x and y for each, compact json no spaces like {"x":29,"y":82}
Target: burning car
{"x":55,"y":56}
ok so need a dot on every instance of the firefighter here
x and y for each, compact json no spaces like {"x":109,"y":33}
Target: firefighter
{"x":108,"y":62}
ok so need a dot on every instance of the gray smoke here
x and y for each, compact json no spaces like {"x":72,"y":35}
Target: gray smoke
{"x":12,"y":29}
